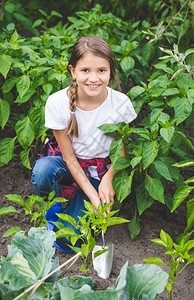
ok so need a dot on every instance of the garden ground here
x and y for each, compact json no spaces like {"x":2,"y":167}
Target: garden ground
{"x":15,"y":179}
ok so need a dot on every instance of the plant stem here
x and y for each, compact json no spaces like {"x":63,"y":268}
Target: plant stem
{"x":39,"y":282}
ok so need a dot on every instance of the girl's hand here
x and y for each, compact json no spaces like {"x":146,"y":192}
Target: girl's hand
{"x":105,"y":190}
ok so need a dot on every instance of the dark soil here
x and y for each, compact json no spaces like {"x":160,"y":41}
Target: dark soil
{"x":14,"y":178}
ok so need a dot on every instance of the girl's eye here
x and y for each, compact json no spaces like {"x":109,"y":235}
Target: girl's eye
{"x":101,"y":70}
{"x":85,"y":70}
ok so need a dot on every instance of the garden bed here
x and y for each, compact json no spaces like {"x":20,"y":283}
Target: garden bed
{"x":15,"y":178}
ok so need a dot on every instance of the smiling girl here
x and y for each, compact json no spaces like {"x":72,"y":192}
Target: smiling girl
{"x":74,"y":114}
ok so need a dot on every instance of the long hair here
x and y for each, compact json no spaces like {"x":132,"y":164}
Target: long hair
{"x":98,"y":47}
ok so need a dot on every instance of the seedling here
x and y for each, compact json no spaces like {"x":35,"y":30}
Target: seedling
{"x":90,"y":226}
{"x":34,"y":207}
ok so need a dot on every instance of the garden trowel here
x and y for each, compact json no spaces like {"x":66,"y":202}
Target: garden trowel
{"x":103,"y":263}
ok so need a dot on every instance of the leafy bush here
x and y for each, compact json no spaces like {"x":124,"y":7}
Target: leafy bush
{"x":30,"y":258}
{"x":160,"y":140}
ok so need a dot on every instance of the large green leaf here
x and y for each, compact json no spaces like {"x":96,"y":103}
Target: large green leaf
{"x":5,"y":64}
{"x":9,"y":84}
{"x":183,"y":109}
{"x":180,"y":195}
{"x":122,"y":184}
{"x":25,"y":132}
{"x":146,"y":281}
{"x":136,"y":91}
{"x":162,"y":169}
{"x":115,"y":150}
{"x":29,"y":258}
{"x":24,"y":155}
{"x":4,"y":112}
{"x":39,"y":256}
{"x":150,"y":151}
{"x":134,"y":227}
{"x":36,"y":115}
{"x":23,"y":84}
{"x":6,"y":150}
{"x":154,"y":188}
{"x":143,"y":199}
{"x":167,"y":133}
{"x":127,"y":64}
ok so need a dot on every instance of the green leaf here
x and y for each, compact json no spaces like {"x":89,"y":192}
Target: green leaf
{"x":6,"y":150}
{"x":15,"y":198}
{"x":89,"y":206}
{"x":116,"y":221}
{"x":162,"y":169}
{"x":23,"y":84}
{"x":154,"y":188}
{"x":180,"y":195}
{"x":36,"y":116}
{"x":190,"y":214}
{"x":67,"y":218}
{"x":183,"y":109}
{"x":122,"y":163}
{"x":47,"y":87}
{"x":144,"y":201}
{"x":154,"y":260}
{"x":184,"y":164}
{"x":127,"y":64}
{"x":167,"y":133}
{"x":150,"y":151}
{"x":30,"y":92}
{"x":65,"y":232}
{"x":39,"y":257}
{"x":115,"y":150}
{"x":24,"y":155}
{"x":4,"y":112}
{"x":8,"y":210}
{"x":99,"y":252}
{"x":189,"y":180}
{"x":165,"y":237}
{"x":9,"y":84}
{"x":25,"y":132}
{"x":135,"y":161}
{"x":22,"y":266}
{"x":5,"y":64}
{"x":108,"y":128}
{"x":11,"y":231}
{"x":143,"y":132}
{"x":155,"y":114}
{"x":170,"y":92}
{"x":135,"y":91}
{"x":185,"y":139}
{"x":122,"y":184}
{"x":134,"y":227}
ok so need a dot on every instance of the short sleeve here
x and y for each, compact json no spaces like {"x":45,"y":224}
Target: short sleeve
{"x":123,"y":108}
{"x":56,"y":112}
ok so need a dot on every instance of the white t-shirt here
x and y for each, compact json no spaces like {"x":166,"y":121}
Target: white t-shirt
{"x":92,"y":142}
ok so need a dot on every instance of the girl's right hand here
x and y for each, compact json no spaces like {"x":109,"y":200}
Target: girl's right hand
{"x":95,"y":200}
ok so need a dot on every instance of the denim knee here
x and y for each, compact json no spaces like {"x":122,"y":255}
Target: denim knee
{"x":47,"y":173}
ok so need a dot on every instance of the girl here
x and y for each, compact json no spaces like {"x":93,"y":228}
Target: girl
{"x":74,"y":114}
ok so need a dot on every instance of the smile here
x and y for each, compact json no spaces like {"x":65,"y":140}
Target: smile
{"x":93,"y":86}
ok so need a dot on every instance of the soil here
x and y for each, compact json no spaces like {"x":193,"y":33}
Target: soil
{"x":15,"y":179}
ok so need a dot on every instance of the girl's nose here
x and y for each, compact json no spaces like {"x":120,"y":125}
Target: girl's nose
{"x":93,"y":76}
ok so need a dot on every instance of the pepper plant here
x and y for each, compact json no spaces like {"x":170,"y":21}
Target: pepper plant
{"x":34,"y":209}
{"x":164,"y":106}
{"x":90,"y":225}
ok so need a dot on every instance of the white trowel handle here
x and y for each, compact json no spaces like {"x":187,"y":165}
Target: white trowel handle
{"x":103,"y":241}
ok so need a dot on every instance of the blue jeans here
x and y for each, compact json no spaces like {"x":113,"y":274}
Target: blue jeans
{"x":50,"y":173}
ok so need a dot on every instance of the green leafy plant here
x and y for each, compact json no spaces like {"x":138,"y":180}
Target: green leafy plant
{"x":179,"y":253}
{"x":30,"y":259}
{"x":90,"y":225}
{"x":159,"y":141}
{"x":34,"y":208}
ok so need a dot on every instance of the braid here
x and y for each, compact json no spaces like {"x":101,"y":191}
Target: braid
{"x":72,"y":127}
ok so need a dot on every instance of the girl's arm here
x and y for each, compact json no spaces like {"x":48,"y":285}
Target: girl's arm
{"x":74,"y":167}
{"x":106,"y":191}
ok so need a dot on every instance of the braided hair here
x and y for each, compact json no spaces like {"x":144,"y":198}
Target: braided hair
{"x":98,"y":47}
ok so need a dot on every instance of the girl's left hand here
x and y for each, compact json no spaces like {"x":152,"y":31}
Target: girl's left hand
{"x":105,"y":190}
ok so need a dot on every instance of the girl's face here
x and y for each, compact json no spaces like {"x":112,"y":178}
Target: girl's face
{"x":92,"y":74}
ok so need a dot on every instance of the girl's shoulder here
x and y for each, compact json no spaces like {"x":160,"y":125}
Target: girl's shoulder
{"x":117,"y":96}
{"x":60,"y":95}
